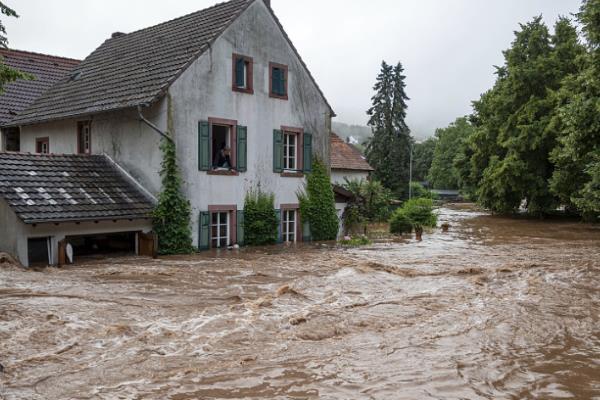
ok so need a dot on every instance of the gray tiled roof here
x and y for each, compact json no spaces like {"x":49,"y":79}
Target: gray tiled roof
{"x":133,"y":69}
{"x":47,"y":70}
{"x":60,"y":188}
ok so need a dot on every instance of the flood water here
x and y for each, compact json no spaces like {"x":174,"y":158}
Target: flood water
{"x":494,"y":309}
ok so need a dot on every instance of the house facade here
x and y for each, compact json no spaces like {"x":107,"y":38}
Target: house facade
{"x":225,"y":83}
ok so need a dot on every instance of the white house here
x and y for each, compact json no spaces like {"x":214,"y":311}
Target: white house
{"x":224,"y":78}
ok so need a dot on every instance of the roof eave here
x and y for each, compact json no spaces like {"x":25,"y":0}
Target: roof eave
{"x":76,"y":220}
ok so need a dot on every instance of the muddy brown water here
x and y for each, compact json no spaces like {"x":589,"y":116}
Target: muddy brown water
{"x":494,"y":309}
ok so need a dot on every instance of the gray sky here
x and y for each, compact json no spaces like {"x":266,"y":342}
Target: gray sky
{"x":448,"y":47}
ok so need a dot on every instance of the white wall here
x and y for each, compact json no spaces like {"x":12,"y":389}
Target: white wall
{"x":204,"y":91}
{"x":338,"y":175}
{"x":120,"y":135}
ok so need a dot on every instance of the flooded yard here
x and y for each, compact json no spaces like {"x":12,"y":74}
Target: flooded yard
{"x":494,"y":309}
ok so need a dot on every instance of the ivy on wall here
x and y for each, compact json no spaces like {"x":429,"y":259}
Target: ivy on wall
{"x":317,"y":204}
{"x":171,"y":217}
{"x":260,"y":218}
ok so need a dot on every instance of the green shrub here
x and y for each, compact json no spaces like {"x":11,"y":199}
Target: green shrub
{"x":317,"y":204}
{"x":171,"y":216}
{"x":260,"y":219}
{"x":416,"y":213}
{"x":355,"y":241}
{"x":419,"y":191}
{"x":399,"y":223}
{"x":371,"y":199}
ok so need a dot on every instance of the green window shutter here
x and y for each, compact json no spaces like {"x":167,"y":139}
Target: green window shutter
{"x":275,"y":80}
{"x":277,"y":151}
{"x":306,"y":237}
{"x":240,"y":79}
{"x":242,"y":148}
{"x":204,"y":234}
{"x":240,"y":227}
{"x":203,"y":146}
{"x":282,"y":83}
{"x":279,"y":230}
{"x":307,"y":153}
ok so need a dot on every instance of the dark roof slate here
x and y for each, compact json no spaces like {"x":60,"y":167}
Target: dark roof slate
{"x":42,"y":188}
{"x":47,"y":70}
{"x":133,"y":69}
{"x":347,"y":157}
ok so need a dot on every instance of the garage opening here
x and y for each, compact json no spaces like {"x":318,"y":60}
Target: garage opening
{"x":122,"y":243}
{"x":38,"y":251}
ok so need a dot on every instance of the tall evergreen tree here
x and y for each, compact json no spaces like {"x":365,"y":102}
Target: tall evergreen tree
{"x":388,"y":151}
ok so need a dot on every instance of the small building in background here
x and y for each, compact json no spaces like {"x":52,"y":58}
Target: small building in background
{"x":347,"y":162}
{"x":17,"y":96}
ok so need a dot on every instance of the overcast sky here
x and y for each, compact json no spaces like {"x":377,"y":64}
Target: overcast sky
{"x":448,"y":47}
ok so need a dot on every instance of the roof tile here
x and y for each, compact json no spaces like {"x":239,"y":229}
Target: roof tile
{"x":347,"y":157}
{"x":59,"y":188}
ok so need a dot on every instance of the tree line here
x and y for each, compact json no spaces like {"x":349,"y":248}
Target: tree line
{"x":532,"y":142}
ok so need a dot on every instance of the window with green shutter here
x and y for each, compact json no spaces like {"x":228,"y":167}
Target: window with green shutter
{"x":242,"y":148}
{"x":278,"y":81}
{"x":204,"y":150}
{"x":204,"y":231}
{"x":277,"y":151}
{"x":240,"y":227}
{"x":242,"y":74}
{"x":307,"y":153}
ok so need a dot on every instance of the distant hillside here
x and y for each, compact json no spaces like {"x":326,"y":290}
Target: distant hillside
{"x":358,"y":134}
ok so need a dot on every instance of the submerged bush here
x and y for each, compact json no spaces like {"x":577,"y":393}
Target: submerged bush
{"x":355,"y":241}
{"x":399,"y":223}
{"x":414,"y":214}
{"x":260,"y":219}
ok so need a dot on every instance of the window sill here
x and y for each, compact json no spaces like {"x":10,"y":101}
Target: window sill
{"x":223,"y":173}
{"x":292,"y":174}
{"x":240,"y":90}
{"x":276,"y":96}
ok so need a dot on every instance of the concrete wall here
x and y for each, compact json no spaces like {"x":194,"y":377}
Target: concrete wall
{"x":12,"y":232}
{"x":204,"y":90}
{"x":56,"y":233}
{"x":120,"y":135}
{"x":338,"y":175}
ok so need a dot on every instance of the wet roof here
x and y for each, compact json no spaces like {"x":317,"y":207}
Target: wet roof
{"x":47,"y":70}
{"x":43,"y":188}
{"x":347,"y":157}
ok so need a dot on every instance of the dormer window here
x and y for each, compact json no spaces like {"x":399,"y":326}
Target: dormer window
{"x":278,"y":81}
{"x":242,"y":74}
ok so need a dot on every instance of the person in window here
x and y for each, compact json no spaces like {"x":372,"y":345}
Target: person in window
{"x":223,"y":158}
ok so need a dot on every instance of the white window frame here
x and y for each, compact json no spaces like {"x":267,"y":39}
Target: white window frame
{"x":290,"y":225}
{"x":216,"y":240}
{"x":287,"y":157}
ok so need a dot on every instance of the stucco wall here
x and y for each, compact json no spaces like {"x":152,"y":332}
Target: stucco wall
{"x":12,"y":231}
{"x":204,"y":90}
{"x":129,"y":142}
{"x":338,"y":175}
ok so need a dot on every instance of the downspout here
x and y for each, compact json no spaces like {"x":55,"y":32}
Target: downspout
{"x":152,"y":126}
